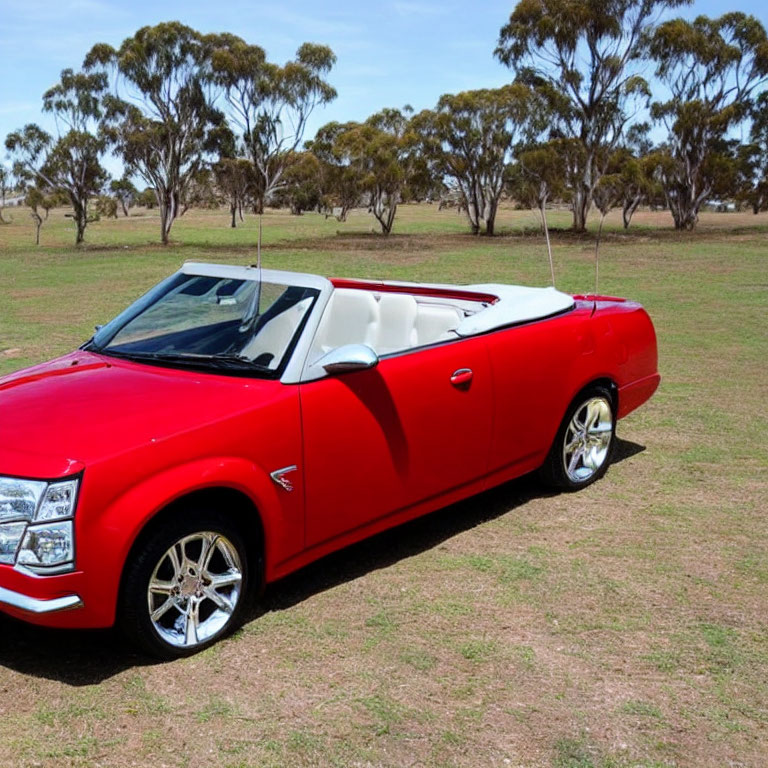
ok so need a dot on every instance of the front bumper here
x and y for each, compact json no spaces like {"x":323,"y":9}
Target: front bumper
{"x":64,"y":601}
{"x":38,"y":605}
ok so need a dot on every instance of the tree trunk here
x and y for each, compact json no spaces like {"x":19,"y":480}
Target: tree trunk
{"x":628,"y":211}
{"x":473,"y":215}
{"x":125,"y":208}
{"x":685,"y":214}
{"x":384,"y":207}
{"x":81,"y":220}
{"x":233,"y":211}
{"x":581,"y":204}
{"x":38,"y":223}
{"x":491,"y":209}
{"x":169,"y":207}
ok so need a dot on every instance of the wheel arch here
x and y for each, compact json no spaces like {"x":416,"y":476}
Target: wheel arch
{"x":108,"y":536}
{"x":240,"y":509}
{"x":606,"y":381}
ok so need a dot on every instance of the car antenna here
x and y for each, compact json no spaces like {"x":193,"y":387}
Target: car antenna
{"x":258,"y":266}
{"x":542,"y":210}
{"x":597,"y":258}
{"x":252,"y":315}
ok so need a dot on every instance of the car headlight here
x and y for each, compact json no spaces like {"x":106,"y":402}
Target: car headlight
{"x":36,"y":528}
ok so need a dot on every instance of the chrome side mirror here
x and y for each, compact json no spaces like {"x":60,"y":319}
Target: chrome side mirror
{"x":350,"y":357}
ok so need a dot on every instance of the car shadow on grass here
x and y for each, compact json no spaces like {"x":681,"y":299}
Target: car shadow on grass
{"x":88,"y":657}
{"x":411,"y":538}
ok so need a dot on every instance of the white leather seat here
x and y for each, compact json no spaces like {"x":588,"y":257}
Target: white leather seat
{"x":276,"y":335}
{"x":436,"y":323}
{"x":351,"y":317}
{"x":397,"y":323}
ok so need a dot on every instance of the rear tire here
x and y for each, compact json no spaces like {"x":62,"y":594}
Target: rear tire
{"x":583,"y":446}
{"x":185,"y":585}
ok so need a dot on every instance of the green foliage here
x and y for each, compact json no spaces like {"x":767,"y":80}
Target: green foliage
{"x":124,"y":192}
{"x":269,"y":105}
{"x":168,"y":125}
{"x":372,"y":161}
{"x":538,"y":175}
{"x":238,"y":183}
{"x":469,"y":139}
{"x":754,"y":158}
{"x":711,"y":68}
{"x":340,"y":182}
{"x":71,"y":162}
{"x":146,"y":198}
{"x":106,"y":207}
{"x":580,"y":56}
{"x":6,"y":180}
{"x":302,"y":184}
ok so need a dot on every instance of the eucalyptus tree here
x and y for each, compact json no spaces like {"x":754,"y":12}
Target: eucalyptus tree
{"x":380,"y":150}
{"x":200,"y":192}
{"x":373,"y":158}
{"x":70,"y":161}
{"x":236,"y":181}
{"x":160,"y":117}
{"x":470,"y":137}
{"x":633,"y":165}
{"x":757,"y":152}
{"x":34,"y":200}
{"x":340,"y":181}
{"x":124,"y":191}
{"x":267,"y":104}
{"x":712,"y":69}
{"x":303,"y":189}
{"x":583,"y":56}
{"x":636,"y":173}
{"x":6,"y":181}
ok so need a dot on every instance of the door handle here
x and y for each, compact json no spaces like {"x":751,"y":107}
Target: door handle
{"x":462,"y":378}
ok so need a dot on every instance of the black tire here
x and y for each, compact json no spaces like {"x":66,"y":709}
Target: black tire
{"x":555,"y":470}
{"x":150,"y":561}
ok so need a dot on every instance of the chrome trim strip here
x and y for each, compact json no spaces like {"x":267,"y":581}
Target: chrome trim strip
{"x":37,"y":605}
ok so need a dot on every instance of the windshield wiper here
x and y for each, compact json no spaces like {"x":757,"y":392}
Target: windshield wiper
{"x":224,"y":361}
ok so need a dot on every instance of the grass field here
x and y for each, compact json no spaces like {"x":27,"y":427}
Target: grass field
{"x":623,"y":626}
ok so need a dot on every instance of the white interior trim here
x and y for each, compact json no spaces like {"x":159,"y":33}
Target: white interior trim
{"x":516,"y":304}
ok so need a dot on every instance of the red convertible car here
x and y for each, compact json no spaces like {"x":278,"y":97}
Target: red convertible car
{"x":233,"y":425}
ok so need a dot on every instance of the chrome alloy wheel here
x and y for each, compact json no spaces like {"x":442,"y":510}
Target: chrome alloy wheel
{"x":195,"y":589}
{"x":588,"y":439}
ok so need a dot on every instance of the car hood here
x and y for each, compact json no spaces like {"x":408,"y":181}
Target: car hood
{"x":61,"y":415}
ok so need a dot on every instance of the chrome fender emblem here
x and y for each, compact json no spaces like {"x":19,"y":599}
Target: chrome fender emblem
{"x":279,"y":476}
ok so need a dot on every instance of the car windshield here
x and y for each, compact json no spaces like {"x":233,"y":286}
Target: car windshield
{"x":216,"y":322}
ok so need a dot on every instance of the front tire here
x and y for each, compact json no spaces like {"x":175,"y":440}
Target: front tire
{"x":185,"y":585}
{"x":583,"y":447}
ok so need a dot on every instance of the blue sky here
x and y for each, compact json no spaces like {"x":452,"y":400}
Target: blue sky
{"x":390,"y":52}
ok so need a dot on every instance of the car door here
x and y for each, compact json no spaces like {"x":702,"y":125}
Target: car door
{"x":381,"y":440}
